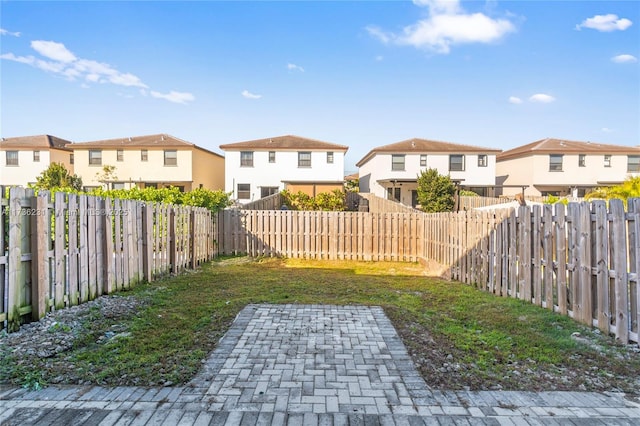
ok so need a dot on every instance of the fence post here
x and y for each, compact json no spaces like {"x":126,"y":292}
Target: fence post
{"x":41,"y":235}
{"x":171,"y":232}
{"x":16,"y":278}
{"x":194,"y":238}
{"x":620,"y":270}
{"x":147,"y":242}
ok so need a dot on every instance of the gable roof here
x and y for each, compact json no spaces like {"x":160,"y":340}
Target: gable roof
{"x":159,"y":141}
{"x":418,"y":146}
{"x":287,"y":142}
{"x":38,"y":141}
{"x":562,"y":146}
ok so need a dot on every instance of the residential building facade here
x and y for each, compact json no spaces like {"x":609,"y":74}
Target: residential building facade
{"x":24,"y":158}
{"x":156,"y":161}
{"x":391,"y":171}
{"x":564,"y":168}
{"x":258,"y":168}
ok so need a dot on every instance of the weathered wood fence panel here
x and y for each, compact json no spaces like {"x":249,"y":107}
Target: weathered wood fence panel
{"x":60,"y":252}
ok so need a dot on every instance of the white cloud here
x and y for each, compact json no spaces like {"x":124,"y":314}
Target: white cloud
{"x":63,"y":62}
{"x":448,"y":24}
{"x":606,"y":23}
{"x":250,"y":95}
{"x":294,"y":67}
{"x":9,"y":33}
{"x":53,"y":50}
{"x":624,"y":59}
{"x":514,"y":100}
{"x":542,"y":98}
{"x":172,"y":96}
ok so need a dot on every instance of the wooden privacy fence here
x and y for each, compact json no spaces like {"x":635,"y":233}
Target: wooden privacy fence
{"x":581,"y":260}
{"x":64,"y":251}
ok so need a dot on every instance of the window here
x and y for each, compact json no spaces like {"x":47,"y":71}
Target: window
{"x":330,"y":157}
{"x":272,"y":156}
{"x":456,"y":163}
{"x":555,"y":162}
{"x":144,"y":155}
{"x":423,"y":160}
{"x":607,"y":160}
{"x":246,"y":158}
{"x":71,"y":159}
{"x":170,"y":157}
{"x":117,"y":185}
{"x":633,"y":163}
{"x":119,"y":155}
{"x":95,"y":157}
{"x":36,"y":156}
{"x":265,"y":191}
{"x":244,"y":191}
{"x":582,"y":160}
{"x":12,"y":158}
{"x":304,"y":159}
{"x":393,"y":194}
{"x":397,"y":162}
{"x":483,"y":160}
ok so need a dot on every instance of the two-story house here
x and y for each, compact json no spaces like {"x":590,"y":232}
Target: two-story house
{"x":258,"y":168}
{"x":148,"y":161}
{"x":391,"y":171}
{"x":561,"y":167}
{"x":24,"y":158}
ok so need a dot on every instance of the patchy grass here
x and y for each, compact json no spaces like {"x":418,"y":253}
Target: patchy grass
{"x":459,"y":337}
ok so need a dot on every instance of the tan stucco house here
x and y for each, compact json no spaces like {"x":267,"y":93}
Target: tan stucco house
{"x":564,"y":168}
{"x":24,"y":158}
{"x":148,"y":161}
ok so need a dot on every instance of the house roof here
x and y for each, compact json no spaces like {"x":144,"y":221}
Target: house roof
{"x":287,"y":142}
{"x":160,"y":141}
{"x":562,"y":146}
{"x":417,"y":145}
{"x":31,"y":142}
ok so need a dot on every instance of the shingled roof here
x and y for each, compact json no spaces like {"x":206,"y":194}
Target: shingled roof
{"x":562,"y":146}
{"x":283,"y":143}
{"x":160,"y":141}
{"x":418,"y":146}
{"x":32,"y":142}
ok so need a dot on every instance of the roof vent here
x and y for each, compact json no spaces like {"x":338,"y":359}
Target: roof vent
{"x":162,"y":137}
{"x":129,"y":138}
{"x":413,"y":144}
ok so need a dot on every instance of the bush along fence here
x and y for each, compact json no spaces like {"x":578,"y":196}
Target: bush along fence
{"x":581,"y":260}
{"x":61,"y":250}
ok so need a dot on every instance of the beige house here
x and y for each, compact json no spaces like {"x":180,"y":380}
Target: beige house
{"x":24,"y":158}
{"x":564,"y":168}
{"x":156,"y":161}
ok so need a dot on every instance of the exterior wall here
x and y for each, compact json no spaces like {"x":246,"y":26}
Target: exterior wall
{"x":534,"y":171}
{"x":132,"y":170}
{"x":208,"y":170}
{"x":285,"y":168}
{"x":379,"y":168}
{"x":28,"y":170}
{"x":312,"y":189}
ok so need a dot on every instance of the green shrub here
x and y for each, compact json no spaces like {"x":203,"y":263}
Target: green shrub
{"x":435,"y":192}
{"x":326,"y":201}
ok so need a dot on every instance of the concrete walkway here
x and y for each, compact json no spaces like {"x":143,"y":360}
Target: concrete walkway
{"x":308,"y":365}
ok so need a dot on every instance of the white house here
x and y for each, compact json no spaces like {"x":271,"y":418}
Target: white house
{"x":561,"y":167}
{"x":391,"y":171}
{"x":258,"y":168}
{"x":24,"y":158}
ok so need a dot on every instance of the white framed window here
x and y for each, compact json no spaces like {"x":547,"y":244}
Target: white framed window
{"x":330,"y":157}
{"x":633,"y":163}
{"x":397,"y":162}
{"x":144,"y":155}
{"x":11,"y":158}
{"x":423,"y":160}
{"x":95,"y":157}
{"x":246,"y":158}
{"x":483,"y":160}
{"x":244,"y":191}
{"x":582,"y":160}
{"x":304,"y":159}
{"x":36,"y":156}
{"x":272,"y":156}
{"x":170,"y":157}
{"x":119,"y":155}
{"x":456,"y":163}
{"x":607,"y":160}
{"x":555,"y":162}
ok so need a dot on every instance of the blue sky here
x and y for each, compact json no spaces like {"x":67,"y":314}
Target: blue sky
{"x":491,"y":73}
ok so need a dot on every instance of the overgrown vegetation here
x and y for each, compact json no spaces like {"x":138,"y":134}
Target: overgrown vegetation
{"x":630,"y":188}
{"x":435,"y":192}
{"x":459,"y":337}
{"x":326,"y":201}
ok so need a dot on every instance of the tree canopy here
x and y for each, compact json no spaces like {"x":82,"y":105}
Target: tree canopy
{"x":435,"y":192}
{"x":56,"y":176}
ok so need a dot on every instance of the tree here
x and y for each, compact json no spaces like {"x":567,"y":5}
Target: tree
{"x":106,"y":175}
{"x":630,"y":188}
{"x":435,"y":192}
{"x":56,"y":176}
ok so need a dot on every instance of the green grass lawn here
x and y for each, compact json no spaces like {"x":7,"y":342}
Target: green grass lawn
{"x":458,"y":336}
